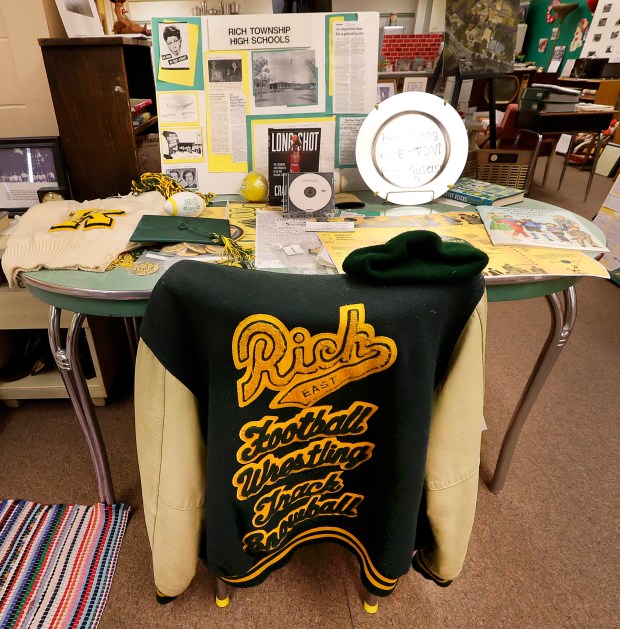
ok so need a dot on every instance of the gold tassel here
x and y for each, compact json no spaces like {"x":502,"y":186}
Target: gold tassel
{"x":235,"y":254}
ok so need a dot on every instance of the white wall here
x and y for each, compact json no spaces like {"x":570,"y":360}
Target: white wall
{"x":437,"y":22}
{"x":394,"y":6}
{"x":144,"y":10}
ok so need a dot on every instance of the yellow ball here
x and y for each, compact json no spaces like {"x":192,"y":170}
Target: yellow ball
{"x":254,"y":187}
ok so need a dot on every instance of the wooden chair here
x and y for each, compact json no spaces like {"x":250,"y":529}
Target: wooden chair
{"x":508,"y":132}
{"x":202,"y":485}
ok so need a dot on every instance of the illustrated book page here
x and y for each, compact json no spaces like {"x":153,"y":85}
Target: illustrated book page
{"x":558,"y":229}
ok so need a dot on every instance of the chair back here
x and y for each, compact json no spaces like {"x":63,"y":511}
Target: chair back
{"x":509,"y":128}
{"x":512,"y":167}
{"x":502,"y":166}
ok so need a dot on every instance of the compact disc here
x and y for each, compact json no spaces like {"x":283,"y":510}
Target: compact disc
{"x":309,"y":192}
{"x":411,"y":148}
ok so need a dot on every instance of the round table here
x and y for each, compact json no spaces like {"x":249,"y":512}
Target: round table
{"x":117,"y":293}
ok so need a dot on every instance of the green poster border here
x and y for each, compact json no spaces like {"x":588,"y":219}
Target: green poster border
{"x":199,"y":81}
{"x":347,"y":17}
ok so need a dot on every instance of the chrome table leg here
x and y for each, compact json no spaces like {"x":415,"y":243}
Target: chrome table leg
{"x":68,"y":363}
{"x":132,"y":329}
{"x":563,"y":320}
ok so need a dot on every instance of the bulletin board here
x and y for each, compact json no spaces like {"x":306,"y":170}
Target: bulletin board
{"x":543,"y":32}
{"x":603,"y":39}
{"x":226,"y":84}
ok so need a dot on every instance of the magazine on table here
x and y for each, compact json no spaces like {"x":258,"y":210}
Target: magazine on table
{"x":556,"y":228}
{"x":477,"y":192}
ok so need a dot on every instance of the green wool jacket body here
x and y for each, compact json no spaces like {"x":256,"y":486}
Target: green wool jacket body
{"x":276,"y":410}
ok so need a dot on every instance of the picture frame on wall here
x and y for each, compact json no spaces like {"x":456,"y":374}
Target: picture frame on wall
{"x":385,"y":89}
{"x":27,"y":166}
{"x":415,"y":83}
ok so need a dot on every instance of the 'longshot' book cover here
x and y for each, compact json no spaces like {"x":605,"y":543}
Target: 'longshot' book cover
{"x":291,"y":151}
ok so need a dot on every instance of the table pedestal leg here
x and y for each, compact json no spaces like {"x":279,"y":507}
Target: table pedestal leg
{"x":563,"y":320}
{"x":68,"y":363}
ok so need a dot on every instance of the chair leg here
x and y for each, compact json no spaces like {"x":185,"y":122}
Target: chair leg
{"x":222,"y":599}
{"x":371,"y":603}
{"x":547,"y":168}
{"x":162,"y":599}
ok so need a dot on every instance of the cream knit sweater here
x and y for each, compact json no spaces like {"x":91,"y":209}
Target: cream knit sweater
{"x":32,"y":246}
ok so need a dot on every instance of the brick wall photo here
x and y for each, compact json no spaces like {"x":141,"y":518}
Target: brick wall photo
{"x":412,"y":46}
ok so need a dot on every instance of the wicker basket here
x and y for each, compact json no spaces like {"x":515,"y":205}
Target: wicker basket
{"x":508,"y":167}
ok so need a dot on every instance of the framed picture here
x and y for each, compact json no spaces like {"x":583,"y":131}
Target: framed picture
{"x":385,"y":89}
{"x":414,"y":84}
{"x":80,"y":18}
{"x":28,"y":165}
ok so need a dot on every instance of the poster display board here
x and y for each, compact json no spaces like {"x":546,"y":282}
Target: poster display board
{"x":226,"y":85}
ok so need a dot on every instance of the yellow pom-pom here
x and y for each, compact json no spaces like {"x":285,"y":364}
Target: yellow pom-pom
{"x":254,"y":187}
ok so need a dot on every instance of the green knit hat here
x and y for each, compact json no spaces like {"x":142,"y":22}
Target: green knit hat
{"x":415,"y":257}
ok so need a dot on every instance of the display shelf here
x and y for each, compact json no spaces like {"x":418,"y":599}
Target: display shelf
{"x":105,"y":340}
{"x":402,"y":74}
{"x":91,"y":80}
{"x":145,"y":125}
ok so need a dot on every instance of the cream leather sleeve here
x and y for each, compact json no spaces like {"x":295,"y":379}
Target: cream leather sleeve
{"x":171,"y":456}
{"x":454,"y":452}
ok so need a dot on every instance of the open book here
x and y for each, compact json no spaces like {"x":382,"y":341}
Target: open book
{"x":556,"y":228}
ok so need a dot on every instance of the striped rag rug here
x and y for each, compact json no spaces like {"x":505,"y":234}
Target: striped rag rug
{"x":57,"y":563}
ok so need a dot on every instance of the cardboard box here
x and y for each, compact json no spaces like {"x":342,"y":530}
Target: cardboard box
{"x":147,"y":149}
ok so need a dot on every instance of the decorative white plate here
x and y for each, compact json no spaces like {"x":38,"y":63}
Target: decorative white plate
{"x":411,"y":147}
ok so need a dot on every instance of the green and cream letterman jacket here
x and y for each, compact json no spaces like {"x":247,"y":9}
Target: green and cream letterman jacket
{"x":275,"y":410}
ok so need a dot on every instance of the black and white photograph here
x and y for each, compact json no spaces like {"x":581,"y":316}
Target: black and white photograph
{"x":284,"y":77}
{"x":80,"y":18}
{"x":225,"y":71}
{"x":185,"y":176}
{"x":383,"y":92}
{"x":182,"y":144}
{"x":481,"y":36}
{"x":174,"y":46}
{"x":79,"y":6}
{"x":27,"y":165}
{"x":385,"y":89}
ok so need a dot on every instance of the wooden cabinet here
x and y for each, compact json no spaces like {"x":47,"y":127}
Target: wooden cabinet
{"x":91,"y":80}
{"x":105,"y":340}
